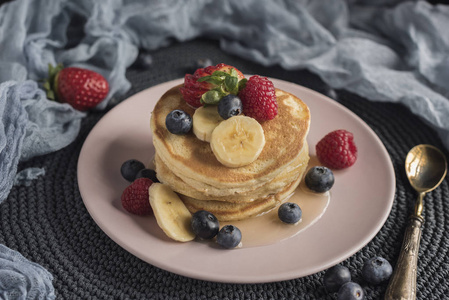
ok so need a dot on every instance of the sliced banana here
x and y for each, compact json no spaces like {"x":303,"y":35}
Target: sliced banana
{"x":205,"y":119}
{"x":171,"y":214}
{"x":237,"y":141}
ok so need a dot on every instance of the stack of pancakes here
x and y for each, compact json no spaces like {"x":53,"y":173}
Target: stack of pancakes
{"x":190,"y":168}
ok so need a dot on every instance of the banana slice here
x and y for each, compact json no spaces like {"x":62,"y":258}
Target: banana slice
{"x":171,"y":214}
{"x":237,"y":141}
{"x":205,"y":119}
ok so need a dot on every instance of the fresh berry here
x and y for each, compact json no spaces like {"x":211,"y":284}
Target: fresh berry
{"x":199,"y":64}
{"x":350,"y":291}
{"x":143,"y":61}
{"x":81,"y":88}
{"x":218,"y":80}
{"x":147,"y":173}
{"x":135,"y":198}
{"x":376,"y":270}
{"x":130,"y":168}
{"x":337,"y":149}
{"x":178,"y":122}
{"x":229,"y":236}
{"x":335,"y":277}
{"x":319,"y":179}
{"x":289,"y":212}
{"x":229,"y":106}
{"x":259,"y":99}
{"x":204,"y":224}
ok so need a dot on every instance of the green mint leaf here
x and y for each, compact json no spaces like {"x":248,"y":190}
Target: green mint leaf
{"x":220,"y":73}
{"x":211,"y":97}
{"x":242,"y":83}
{"x":231,"y":85}
{"x":211,"y":79}
{"x":234,"y":73}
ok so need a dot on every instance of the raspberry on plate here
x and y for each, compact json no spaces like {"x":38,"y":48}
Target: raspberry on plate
{"x":259,"y":99}
{"x":337,"y":149}
{"x":135,"y":198}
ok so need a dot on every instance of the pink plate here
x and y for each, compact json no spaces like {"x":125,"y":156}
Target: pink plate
{"x":361,"y":198}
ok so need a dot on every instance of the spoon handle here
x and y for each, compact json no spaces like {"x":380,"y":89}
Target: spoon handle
{"x":403,"y":282}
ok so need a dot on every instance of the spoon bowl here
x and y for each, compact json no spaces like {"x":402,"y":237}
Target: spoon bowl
{"x":425,"y":166}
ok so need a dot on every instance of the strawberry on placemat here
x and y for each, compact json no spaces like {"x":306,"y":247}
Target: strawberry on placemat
{"x":81,"y":88}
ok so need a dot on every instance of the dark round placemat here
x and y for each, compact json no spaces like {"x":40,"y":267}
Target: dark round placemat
{"x":48,"y":223}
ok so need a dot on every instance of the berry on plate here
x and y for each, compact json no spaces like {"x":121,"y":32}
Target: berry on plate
{"x":135,"y":198}
{"x":319,"y":179}
{"x":350,"y":291}
{"x":335,"y":277}
{"x":204,"y":224}
{"x":81,"y":88}
{"x":259,"y":98}
{"x":289,"y":213}
{"x":337,"y":150}
{"x":229,"y":236}
{"x":376,"y":270}
{"x":147,"y":173}
{"x":178,"y":122}
{"x":210,"y":84}
{"x":130,"y":168}
{"x":229,"y":106}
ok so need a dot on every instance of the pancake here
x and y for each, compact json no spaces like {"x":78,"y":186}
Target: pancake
{"x":226,"y":211}
{"x":191,"y":159}
{"x":288,"y":175}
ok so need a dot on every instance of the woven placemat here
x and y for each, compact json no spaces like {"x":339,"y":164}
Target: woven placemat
{"x":48,"y":223}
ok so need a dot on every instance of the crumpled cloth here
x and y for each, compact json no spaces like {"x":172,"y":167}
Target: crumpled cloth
{"x":389,"y":50}
{"x":21,"y":279}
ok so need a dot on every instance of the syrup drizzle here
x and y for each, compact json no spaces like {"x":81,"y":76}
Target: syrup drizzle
{"x":268,"y":229}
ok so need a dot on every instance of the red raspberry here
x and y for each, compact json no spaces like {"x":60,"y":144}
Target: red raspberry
{"x":259,"y":99}
{"x":337,"y":149}
{"x":135,"y":198}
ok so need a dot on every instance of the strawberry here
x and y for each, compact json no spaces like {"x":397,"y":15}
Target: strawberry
{"x":81,"y":88}
{"x":135,"y":198}
{"x":337,"y":149}
{"x":210,"y":84}
{"x":259,"y":99}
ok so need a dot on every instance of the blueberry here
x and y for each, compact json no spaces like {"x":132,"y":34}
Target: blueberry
{"x":229,"y":236}
{"x":199,"y":64}
{"x":229,"y":106}
{"x":289,"y":212}
{"x":178,"y":122}
{"x":350,"y":291}
{"x":147,"y":173}
{"x":130,"y":168}
{"x":335,"y":277}
{"x":144,"y":60}
{"x":376,"y":270}
{"x":319,"y":179}
{"x":204,"y":224}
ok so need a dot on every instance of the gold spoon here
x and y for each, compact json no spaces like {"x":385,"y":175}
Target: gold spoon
{"x":426,"y":167}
